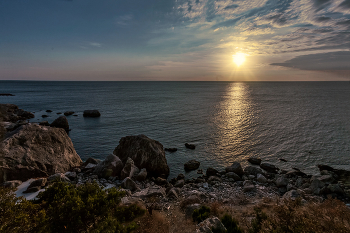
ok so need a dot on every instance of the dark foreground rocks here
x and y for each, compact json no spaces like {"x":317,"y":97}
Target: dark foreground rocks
{"x":11,"y":113}
{"x":191,"y":165}
{"x":61,"y":122}
{"x":145,"y":152}
{"x":36,"y":151}
{"x":91,"y":113}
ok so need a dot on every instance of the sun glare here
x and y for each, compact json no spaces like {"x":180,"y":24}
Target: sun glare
{"x":239,"y":58}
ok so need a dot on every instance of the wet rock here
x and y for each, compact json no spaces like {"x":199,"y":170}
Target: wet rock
{"x":111,"y":166}
{"x":68,"y":113}
{"x":211,"y":172}
{"x":190,"y":146}
{"x":191,"y":165}
{"x":295,"y":173}
{"x":12,"y":184}
{"x":180,"y":176}
{"x":251,"y":170}
{"x":261,"y":178}
{"x":325,"y":167}
{"x":48,"y":111}
{"x":91,"y":113}
{"x":60,"y":122}
{"x":44,"y":116}
{"x":170,"y":149}
{"x":142,"y":175}
{"x":129,"y":184}
{"x":92,"y":161}
{"x":36,"y":151}
{"x":207,"y":225}
{"x":283,"y":160}
{"x":199,"y":171}
{"x":255,"y":161}
{"x":145,"y":152}
{"x":269,"y":167}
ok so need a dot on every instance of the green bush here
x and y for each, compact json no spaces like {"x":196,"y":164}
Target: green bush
{"x":66,"y":208}
{"x":201,"y":214}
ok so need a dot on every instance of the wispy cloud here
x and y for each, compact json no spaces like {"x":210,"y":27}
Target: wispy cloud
{"x":95,"y":44}
{"x":124,"y":19}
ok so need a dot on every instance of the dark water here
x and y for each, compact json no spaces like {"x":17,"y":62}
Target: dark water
{"x":306,"y":123}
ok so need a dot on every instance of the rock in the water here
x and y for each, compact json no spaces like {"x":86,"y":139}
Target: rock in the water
{"x":61,"y":122}
{"x":269,"y":167}
{"x":236,"y":168}
{"x":261,"y":178}
{"x":36,"y":151}
{"x":295,"y":174}
{"x":91,"y":113}
{"x":255,"y":161}
{"x":44,"y":116}
{"x":48,"y":110}
{"x":111,"y":166}
{"x":91,"y":160}
{"x":12,"y":184}
{"x":211,"y":172}
{"x":170,"y":149}
{"x":145,"y":152}
{"x":129,"y":184}
{"x":191,"y":165}
{"x":68,"y":113}
{"x":129,"y":169}
{"x":180,"y":176}
{"x":207,"y":225}
{"x":325,"y":167}
{"x":190,"y":146}
{"x":251,"y":170}
{"x":142,"y":175}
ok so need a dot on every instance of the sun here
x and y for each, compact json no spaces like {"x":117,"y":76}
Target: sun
{"x":239,"y":58}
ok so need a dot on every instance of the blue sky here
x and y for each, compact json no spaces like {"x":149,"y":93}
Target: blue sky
{"x":174,"y":40}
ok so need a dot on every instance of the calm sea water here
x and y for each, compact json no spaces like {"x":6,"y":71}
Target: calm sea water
{"x":306,"y":123}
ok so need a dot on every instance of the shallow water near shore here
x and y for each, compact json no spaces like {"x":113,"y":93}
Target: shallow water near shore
{"x":305,"y":123}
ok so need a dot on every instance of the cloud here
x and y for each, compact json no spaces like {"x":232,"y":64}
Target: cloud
{"x":94,"y":44}
{"x":124,"y":19}
{"x":319,"y":61}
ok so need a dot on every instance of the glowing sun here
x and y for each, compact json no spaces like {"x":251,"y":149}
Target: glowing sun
{"x":239,"y":58}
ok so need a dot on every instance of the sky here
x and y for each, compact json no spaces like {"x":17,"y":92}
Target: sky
{"x":184,"y":40}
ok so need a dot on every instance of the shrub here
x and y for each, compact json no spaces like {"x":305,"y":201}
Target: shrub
{"x":201,"y":214}
{"x":260,"y":216}
{"x":87,"y":208}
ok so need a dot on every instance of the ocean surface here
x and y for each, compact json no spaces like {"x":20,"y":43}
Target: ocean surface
{"x":306,"y":123}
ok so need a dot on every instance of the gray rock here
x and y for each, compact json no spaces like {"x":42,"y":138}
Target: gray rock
{"x":180,"y":176}
{"x":145,"y":152}
{"x":251,"y":170}
{"x":249,"y":187}
{"x":61,"y":122}
{"x":155,"y":191}
{"x":92,"y":161}
{"x":32,"y":189}
{"x":71,"y":175}
{"x":255,"y":161}
{"x":316,"y":186}
{"x":129,"y":184}
{"x":142,"y":175}
{"x":292,"y":194}
{"x":335,"y":188}
{"x":58,"y":177}
{"x":36,"y":151}
{"x":261,"y":178}
{"x":161,"y":181}
{"x":90,"y":165}
{"x":236,"y":168}
{"x":327,"y":179}
{"x":211,"y":172}
{"x":190,"y":208}
{"x":179,"y":183}
{"x":111,"y":166}
{"x":172,"y":194}
{"x":269,"y":167}
{"x":191,"y":165}
{"x":207,"y":225}
{"x":12,"y":184}
{"x":233,"y":176}
{"x":281,"y":182}
{"x":213,"y":179}
{"x":68,"y":113}
{"x":91,"y":113}
{"x":129,"y":169}
{"x":39,"y":182}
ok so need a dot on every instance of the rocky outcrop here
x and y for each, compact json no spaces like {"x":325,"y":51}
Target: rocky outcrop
{"x":36,"y":151}
{"x":11,"y":113}
{"x":61,"y":122}
{"x":145,"y":152}
{"x":236,"y":168}
{"x":91,"y":113}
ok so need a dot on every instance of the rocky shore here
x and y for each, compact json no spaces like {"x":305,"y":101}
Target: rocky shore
{"x":138,"y":165}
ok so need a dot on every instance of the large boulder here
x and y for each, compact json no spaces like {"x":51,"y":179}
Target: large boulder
{"x":269,"y":167}
{"x":111,"y":166}
{"x":12,"y":113}
{"x":236,"y":168}
{"x":60,"y":122}
{"x":129,"y":169}
{"x":191,"y":165}
{"x":145,"y":152}
{"x":36,"y":151}
{"x":251,"y":170}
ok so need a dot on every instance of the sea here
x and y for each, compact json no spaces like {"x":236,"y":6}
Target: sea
{"x":304,"y":123}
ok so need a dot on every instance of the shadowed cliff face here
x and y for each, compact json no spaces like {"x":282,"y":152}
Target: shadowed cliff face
{"x":2,"y":128}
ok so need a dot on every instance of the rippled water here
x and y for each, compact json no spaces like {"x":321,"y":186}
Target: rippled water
{"x":306,"y":123}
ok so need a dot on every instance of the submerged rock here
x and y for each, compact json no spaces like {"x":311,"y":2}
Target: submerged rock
{"x":145,"y":152}
{"x":91,"y":113}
